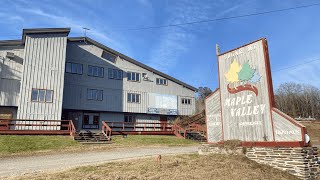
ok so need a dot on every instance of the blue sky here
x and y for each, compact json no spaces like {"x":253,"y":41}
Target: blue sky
{"x":185,"y":52}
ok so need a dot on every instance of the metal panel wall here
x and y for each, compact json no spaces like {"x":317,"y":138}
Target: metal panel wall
{"x":87,"y":54}
{"x":10,"y":75}
{"x":213,"y":118}
{"x":43,"y":68}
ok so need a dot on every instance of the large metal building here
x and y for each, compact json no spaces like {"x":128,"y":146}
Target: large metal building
{"x":49,"y":76}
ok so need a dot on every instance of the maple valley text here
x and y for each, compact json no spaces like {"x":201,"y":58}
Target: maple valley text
{"x":244,"y":110}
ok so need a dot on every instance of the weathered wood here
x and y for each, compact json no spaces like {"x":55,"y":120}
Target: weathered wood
{"x":256,"y":127}
{"x":247,"y":103}
{"x":213,"y":117}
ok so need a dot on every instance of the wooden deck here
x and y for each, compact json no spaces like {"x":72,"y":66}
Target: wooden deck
{"x":66,"y":127}
{"x":36,"y":127}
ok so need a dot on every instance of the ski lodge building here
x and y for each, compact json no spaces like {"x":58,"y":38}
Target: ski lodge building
{"x":49,"y":76}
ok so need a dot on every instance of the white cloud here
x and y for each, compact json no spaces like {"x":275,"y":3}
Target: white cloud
{"x":175,"y":41}
{"x":44,"y":14}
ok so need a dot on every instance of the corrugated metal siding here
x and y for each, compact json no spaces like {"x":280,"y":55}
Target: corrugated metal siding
{"x":43,"y":68}
{"x":186,"y":109}
{"x":10,"y":75}
{"x":115,"y":91}
{"x":213,"y":118}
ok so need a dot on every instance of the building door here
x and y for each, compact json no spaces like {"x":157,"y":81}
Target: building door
{"x":163,"y":123}
{"x":90,"y":121}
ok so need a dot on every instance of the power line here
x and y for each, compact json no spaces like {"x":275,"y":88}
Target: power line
{"x":296,"y":65}
{"x":220,"y":19}
{"x":211,"y":20}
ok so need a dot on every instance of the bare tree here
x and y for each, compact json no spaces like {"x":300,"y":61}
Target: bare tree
{"x":202,"y":93}
{"x":298,"y":100}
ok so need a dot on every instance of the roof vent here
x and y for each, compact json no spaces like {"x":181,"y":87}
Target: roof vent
{"x":10,"y":55}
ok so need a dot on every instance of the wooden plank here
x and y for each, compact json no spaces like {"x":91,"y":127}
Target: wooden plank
{"x":246,"y":114}
{"x":213,"y":117}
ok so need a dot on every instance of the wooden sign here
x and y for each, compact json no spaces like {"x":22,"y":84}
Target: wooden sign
{"x":242,"y":108}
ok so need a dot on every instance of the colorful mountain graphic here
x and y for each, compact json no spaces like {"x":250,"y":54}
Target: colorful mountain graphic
{"x":244,"y":74}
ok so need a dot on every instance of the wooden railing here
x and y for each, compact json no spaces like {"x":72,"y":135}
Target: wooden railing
{"x":179,"y":131}
{"x":72,"y":128}
{"x":139,"y":126}
{"x":4,"y":124}
{"x":198,"y":128}
{"x":106,"y":130}
{"x":41,"y":125}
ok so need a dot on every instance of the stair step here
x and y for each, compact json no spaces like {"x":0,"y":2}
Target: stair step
{"x":91,"y":138}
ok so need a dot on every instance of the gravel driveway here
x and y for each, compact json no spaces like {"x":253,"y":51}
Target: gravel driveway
{"x":34,"y":164}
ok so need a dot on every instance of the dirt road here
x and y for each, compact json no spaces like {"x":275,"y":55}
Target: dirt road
{"x":48,"y":163}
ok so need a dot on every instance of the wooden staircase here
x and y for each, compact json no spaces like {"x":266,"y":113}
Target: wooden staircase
{"x":88,"y":137}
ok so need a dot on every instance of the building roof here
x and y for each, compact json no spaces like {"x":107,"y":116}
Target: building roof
{"x":43,"y":31}
{"x":82,"y":39}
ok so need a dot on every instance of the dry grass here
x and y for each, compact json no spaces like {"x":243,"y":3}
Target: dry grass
{"x":40,"y":145}
{"x":313,"y":130}
{"x":182,"y":167}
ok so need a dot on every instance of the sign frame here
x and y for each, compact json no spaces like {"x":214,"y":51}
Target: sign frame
{"x":272,"y":108}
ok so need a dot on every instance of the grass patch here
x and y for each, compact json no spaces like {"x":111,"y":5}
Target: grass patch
{"x":144,"y":140}
{"x":28,"y":145}
{"x":23,"y":144}
{"x":179,"y":167}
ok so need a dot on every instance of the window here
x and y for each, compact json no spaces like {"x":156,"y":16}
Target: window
{"x":115,"y":74}
{"x":95,"y":71}
{"x":41,"y":95}
{"x":129,"y":118}
{"x":49,"y":94}
{"x":161,"y":81}
{"x":133,"y":98}
{"x":186,"y":101}
{"x":133,"y":76}
{"x":74,"y":68}
{"x":34,"y":95}
{"x":95,"y":94}
{"x":108,"y":56}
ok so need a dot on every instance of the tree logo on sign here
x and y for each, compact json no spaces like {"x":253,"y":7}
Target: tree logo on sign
{"x":242,"y":78}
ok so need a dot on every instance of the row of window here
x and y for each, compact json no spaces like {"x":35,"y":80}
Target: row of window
{"x":96,"y":71}
{"x":42,"y":95}
{"x":186,"y":101}
{"x":45,"y":95}
{"x":94,"y":94}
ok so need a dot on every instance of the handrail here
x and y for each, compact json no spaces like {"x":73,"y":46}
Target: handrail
{"x":72,"y":128}
{"x":197,"y":128}
{"x":106,"y":130}
{"x":115,"y":122}
{"x":140,"y":125}
{"x":177,"y":130}
{"x":52,"y":125}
